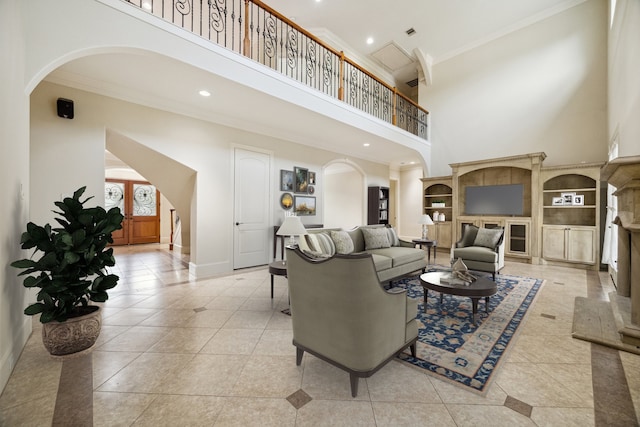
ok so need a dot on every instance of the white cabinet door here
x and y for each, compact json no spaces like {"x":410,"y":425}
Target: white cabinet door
{"x":554,"y":242}
{"x":569,"y":243}
{"x":581,"y":245}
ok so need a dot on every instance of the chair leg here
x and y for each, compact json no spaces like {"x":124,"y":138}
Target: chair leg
{"x":354,"y":385}
{"x":299,"y":353}
{"x":413,"y":349}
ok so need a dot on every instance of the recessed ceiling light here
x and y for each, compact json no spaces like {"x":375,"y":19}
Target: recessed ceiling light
{"x":366,"y":144}
{"x":146,"y":5}
{"x":204,"y":93}
{"x":370,"y":40}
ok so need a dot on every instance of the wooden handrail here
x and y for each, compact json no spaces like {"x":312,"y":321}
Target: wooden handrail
{"x":340,"y":54}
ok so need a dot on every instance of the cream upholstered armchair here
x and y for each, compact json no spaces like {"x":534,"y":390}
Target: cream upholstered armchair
{"x":342,"y":314}
{"x":481,"y":249}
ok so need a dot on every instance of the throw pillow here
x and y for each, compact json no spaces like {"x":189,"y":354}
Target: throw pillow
{"x":375,"y":238}
{"x":393,"y":237}
{"x":488,"y":237}
{"x":343,"y":242}
{"x":320,"y":242}
{"x":469,"y":235}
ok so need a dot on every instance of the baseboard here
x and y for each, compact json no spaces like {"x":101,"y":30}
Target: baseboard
{"x":209,"y":270}
{"x":11,"y":355}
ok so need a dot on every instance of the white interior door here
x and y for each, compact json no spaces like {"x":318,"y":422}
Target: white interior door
{"x":252,"y":186}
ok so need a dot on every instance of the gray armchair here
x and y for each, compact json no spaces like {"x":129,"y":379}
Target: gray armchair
{"x":342,"y":315}
{"x":481,"y":249}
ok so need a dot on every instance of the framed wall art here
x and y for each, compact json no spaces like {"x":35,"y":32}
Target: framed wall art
{"x":286,"y":180}
{"x":286,"y":201}
{"x":304,"y":205}
{"x":301,"y":179}
{"x":312,"y":178}
{"x":568,"y":198}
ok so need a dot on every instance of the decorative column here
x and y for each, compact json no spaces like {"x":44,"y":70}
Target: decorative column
{"x":624,"y":174}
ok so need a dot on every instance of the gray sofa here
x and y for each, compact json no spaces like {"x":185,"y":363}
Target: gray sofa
{"x":393,"y":258}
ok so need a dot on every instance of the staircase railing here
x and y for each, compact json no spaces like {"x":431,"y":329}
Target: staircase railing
{"x":261,"y":33}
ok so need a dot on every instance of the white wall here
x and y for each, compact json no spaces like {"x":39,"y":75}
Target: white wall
{"x":15,"y":327}
{"x":624,"y":84}
{"x":410,"y":202}
{"x":200,"y":146}
{"x":344,"y":198}
{"x":542,"y":88}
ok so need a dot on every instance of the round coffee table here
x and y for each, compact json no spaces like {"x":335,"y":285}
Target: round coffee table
{"x":480,"y":288}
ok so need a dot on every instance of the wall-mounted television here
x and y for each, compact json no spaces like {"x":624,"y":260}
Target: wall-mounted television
{"x":504,"y":200}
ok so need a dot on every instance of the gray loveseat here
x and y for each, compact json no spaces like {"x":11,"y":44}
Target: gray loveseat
{"x":392,"y":257}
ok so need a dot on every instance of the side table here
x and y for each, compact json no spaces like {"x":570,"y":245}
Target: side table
{"x":277,"y":268}
{"x":427,"y":244}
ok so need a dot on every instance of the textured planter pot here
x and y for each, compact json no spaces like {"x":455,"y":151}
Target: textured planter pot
{"x":74,"y":335}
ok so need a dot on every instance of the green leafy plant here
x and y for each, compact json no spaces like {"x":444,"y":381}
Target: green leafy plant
{"x":73,"y":267}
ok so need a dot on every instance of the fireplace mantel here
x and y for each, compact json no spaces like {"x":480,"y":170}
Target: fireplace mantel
{"x":624,"y":174}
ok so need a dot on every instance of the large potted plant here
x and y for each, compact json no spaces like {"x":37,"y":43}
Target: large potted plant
{"x":71,"y":271}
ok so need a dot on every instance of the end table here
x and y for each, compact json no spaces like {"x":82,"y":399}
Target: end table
{"x":427,"y":244}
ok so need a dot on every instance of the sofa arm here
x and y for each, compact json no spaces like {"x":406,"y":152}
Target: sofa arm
{"x":405,"y":244}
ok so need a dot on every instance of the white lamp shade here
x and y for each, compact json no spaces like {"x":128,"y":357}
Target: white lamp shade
{"x":292,"y":226}
{"x":425,"y":219}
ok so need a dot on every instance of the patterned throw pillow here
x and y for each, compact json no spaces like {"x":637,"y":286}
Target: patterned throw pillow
{"x":375,"y":238}
{"x":488,"y":237}
{"x":343,"y":242}
{"x":320,"y":242}
{"x":393,"y":237}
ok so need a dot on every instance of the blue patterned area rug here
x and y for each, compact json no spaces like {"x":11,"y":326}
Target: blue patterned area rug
{"x":451,"y":347}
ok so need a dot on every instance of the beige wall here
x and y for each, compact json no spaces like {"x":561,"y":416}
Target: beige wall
{"x":343,"y":198}
{"x":624,"y":84}
{"x":410,"y":210}
{"x":15,"y":327}
{"x":542,"y":88}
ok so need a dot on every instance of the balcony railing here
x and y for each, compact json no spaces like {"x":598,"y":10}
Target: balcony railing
{"x":259,"y":32}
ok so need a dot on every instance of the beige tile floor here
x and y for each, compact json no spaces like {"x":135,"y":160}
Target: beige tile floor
{"x":176,"y":351}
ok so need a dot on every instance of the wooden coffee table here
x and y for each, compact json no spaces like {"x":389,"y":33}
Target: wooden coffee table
{"x":480,"y":288}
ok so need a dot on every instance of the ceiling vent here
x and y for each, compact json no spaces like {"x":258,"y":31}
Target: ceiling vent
{"x":412,"y":83}
{"x":411,"y":31}
{"x":393,"y":56}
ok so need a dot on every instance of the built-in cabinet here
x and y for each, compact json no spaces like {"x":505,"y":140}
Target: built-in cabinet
{"x":438,"y":204}
{"x":378,"y":205}
{"x":560,"y":216}
{"x":570,"y":204}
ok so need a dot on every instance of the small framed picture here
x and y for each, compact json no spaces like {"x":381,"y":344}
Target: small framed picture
{"x":301,"y":179}
{"x":286,"y":201}
{"x":312,"y":178}
{"x":304,"y":205}
{"x":578,"y":200}
{"x":286,"y":180}
{"x":557,"y":201}
{"x":568,"y":198}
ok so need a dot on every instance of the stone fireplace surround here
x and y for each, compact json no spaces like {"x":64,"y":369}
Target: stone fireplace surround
{"x":624,"y":174}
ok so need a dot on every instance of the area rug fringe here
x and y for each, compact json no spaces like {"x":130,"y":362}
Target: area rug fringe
{"x":451,"y":349}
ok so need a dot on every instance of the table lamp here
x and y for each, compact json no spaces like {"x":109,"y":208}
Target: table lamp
{"x":425,"y":220}
{"x":291,"y":226}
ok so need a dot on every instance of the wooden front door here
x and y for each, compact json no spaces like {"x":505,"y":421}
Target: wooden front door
{"x":139,"y":202}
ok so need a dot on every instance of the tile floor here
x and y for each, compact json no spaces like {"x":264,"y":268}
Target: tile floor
{"x":175,"y":351}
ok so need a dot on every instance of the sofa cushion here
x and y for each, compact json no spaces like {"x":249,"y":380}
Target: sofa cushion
{"x":320,"y":242}
{"x":375,"y":238}
{"x":342,"y":242}
{"x":399,"y":255}
{"x":488,"y":237}
{"x":476,"y":253}
{"x":382,"y":262}
{"x":393,"y":237}
{"x":469,"y":235}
